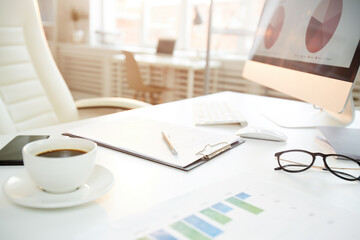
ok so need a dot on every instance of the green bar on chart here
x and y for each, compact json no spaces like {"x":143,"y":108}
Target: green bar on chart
{"x":244,"y":205}
{"x":216,"y":216}
{"x":188,"y":231}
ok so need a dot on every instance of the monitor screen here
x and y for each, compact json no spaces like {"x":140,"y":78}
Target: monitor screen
{"x":309,"y":50}
{"x":165,"y":46}
{"x":318,"y":37}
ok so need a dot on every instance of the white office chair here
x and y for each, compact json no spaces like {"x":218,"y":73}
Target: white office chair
{"x":33,"y":93}
{"x":135,"y":81}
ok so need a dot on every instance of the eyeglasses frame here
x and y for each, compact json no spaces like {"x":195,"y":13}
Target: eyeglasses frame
{"x":314,"y":155}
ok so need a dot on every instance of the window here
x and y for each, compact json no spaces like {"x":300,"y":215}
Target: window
{"x":142,"y":22}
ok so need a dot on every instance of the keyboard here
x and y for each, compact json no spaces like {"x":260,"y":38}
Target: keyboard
{"x":212,"y":113}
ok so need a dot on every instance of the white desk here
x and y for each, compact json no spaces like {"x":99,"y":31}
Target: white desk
{"x":141,"y":185}
{"x":173,"y":62}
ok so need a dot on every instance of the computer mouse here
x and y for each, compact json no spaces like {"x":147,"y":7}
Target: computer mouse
{"x":261,"y":133}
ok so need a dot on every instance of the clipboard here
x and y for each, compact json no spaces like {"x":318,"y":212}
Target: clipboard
{"x":142,"y":138}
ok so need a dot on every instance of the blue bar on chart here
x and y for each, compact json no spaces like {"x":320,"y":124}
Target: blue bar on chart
{"x":162,"y":235}
{"x":242,"y":195}
{"x":202,"y":225}
{"x":221,"y":207}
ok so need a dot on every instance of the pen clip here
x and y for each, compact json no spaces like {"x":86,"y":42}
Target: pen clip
{"x":220,"y":147}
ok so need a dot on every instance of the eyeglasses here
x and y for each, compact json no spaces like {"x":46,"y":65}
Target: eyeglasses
{"x":297,"y":160}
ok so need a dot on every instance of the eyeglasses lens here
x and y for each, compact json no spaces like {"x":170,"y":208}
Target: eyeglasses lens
{"x":295,"y":161}
{"x":343,"y":167}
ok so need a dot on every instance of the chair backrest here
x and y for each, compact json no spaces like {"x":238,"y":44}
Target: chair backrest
{"x":33,"y":93}
{"x":133,"y":75}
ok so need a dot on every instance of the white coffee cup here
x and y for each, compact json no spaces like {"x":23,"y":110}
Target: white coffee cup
{"x":59,"y":174}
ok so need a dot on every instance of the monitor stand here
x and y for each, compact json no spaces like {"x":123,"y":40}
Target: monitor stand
{"x":305,"y":115}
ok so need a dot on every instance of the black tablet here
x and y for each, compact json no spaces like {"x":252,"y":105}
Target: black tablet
{"x":11,"y":153}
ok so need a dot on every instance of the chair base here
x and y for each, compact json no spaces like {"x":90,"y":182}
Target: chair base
{"x":150,"y":97}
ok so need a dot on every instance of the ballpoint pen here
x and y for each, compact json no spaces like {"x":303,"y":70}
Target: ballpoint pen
{"x":168,"y":142}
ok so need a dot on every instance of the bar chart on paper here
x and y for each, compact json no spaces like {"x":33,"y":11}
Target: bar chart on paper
{"x":240,"y":208}
{"x":209,"y":222}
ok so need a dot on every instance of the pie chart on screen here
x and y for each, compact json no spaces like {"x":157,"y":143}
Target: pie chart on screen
{"x":323,"y":24}
{"x":274,"y":28}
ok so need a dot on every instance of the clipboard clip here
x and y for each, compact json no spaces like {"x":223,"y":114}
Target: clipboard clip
{"x":210,"y":151}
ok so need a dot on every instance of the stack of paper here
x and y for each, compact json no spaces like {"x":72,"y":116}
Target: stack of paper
{"x":340,"y":140}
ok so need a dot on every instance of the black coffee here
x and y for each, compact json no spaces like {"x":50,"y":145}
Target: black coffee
{"x":61,"y":153}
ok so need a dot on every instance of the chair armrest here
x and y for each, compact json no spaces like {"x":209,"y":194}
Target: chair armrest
{"x":118,"y":102}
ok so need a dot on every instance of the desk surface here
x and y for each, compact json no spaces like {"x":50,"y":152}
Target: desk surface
{"x":141,"y":185}
{"x":171,"y":61}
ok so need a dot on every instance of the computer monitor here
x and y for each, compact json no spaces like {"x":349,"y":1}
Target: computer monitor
{"x":309,"y":50}
{"x":165,"y":46}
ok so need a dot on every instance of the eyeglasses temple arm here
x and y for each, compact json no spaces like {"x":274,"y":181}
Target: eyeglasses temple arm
{"x":322,"y":168}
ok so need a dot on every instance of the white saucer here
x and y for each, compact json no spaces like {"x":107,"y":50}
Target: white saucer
{"x":21,"y":190}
